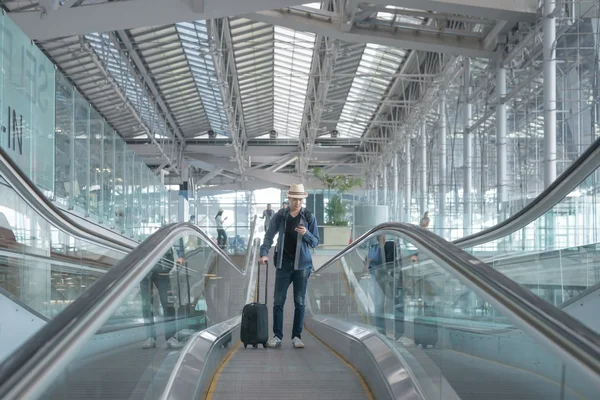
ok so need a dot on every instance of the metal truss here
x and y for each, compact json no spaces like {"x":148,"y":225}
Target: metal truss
{"x":102,"y":60}
{"x":225,"y":68}
{"x":324,"y":58}
{"x":137,"y":68}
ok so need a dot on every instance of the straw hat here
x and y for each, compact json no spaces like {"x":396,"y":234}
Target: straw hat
{"x":297,"y":191}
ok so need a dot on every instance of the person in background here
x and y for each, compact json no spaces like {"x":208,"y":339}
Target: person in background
{"x":159,"y":277}
{"x":193,"y":219}
{"x":298,"y":232}
{"x":284,"y":205}
{"x":267,"y":215}
{"x":425,"y":221}
{"x":222,"y":236}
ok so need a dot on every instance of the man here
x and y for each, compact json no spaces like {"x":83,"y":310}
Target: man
{"x":267,"y":215}
{"x":284,"y":205}
{"x":298,"y":232}
{"x":387,"y":284}
{"x":159,"y":277}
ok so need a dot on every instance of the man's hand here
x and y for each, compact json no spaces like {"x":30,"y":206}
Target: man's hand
{"x":301,"y":230}
{"x":263,"y":260}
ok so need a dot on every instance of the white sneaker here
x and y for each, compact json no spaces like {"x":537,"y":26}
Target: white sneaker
{"x":149,"y":343}
{"x":297,"y":343}
{"x":173,"y":343}
{"x":274,"y":343}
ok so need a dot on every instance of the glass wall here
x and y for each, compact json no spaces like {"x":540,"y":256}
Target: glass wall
{"x":97,"y":176}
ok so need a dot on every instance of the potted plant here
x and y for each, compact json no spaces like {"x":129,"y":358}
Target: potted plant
{"x":336,"y":226}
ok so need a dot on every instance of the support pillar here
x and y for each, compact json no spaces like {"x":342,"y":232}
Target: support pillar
{"x":443,"y":170}
{"x":183,"y":209}
{"x":501,"y":157}
{"x":467,"y":151}
{"x":423,"y":167}
{"x":384,"y":186}
{"x":549,"y":92}
{"x":395,"y":186}
{"x":549,"y":38}
{"x":407,"y":180}
{"x":376,"y":190}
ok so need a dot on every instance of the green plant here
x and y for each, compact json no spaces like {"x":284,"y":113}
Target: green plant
{"x":336,"y":209}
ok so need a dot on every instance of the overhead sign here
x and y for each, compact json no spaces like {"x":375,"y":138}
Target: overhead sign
{"x":27,"y":96}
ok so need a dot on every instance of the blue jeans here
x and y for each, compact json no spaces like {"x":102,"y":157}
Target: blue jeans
{"x":283,"y":277}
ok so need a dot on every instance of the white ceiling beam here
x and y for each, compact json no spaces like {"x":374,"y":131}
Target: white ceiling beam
{"x":283,"y":164}
{"x":118,"y":15}
{"x":395,"y":37}
{"x":209,"y":176}
{"x":511,"y":10}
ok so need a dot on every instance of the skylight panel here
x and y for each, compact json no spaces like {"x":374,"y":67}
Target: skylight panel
{"x":374,"y":74}
{"x":194,"y":40}
{"x":293,"y":60}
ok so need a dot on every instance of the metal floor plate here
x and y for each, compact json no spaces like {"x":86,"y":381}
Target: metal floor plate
{"x":314,"y":372}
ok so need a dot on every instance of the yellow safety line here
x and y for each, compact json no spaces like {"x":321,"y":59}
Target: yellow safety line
{"x":215,"y":378}
{"x":351,"y":367}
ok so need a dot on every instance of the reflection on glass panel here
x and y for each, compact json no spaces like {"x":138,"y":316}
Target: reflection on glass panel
{"x":130,"y":182}
{"x":96,"y":162}
{"x":108,"y":176}
{"x":140,"y":342}
{"x":449,"y":335}
{"x":80,"y":189}
{"x":64,"y":139}
{"x":119,"y":188}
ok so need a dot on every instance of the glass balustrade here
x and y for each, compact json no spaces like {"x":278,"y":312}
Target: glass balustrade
{"x":139,"y":343}
{"x":453,"y":340}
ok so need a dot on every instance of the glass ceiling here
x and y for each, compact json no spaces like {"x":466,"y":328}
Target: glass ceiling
{"x":293,"y":60}
{"x":194,"y":39}
{"x":375,"y":73}
{"x":118,"y":69}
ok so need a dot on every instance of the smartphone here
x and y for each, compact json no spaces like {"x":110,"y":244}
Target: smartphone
{"x":300,"y":226}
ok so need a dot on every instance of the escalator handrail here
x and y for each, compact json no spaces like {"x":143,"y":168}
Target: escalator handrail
{"x":34,"y":197}
{"x":570,"y":338}
{"x":572,"y":177}
{"x":27,"y":371}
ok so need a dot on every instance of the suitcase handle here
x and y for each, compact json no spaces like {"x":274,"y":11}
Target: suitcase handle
{"x":266,"y":282}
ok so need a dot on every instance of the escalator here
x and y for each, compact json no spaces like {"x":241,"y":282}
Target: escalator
{"x":449,"y":326}
{"x":46,"y":260}
{"x":528,"y":348}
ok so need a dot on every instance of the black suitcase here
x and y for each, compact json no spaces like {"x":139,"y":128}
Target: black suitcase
{"x":187,"y":316}
{"x":254,"y":328}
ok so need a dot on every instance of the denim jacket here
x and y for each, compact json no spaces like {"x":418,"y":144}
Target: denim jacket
{"x":311,"y":238}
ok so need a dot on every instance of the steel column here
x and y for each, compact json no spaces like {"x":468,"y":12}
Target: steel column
{"x":549,"y":38}
{"x":407,"y":179}
{"x":423,"y":166}
{"x":443,"y":170}
{"x":397,"y":209}
{"x":501,"y":158}
{"x":467,"y":150}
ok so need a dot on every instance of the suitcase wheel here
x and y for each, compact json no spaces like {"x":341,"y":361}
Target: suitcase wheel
{"x":264,"y":345}
{"x":245,"y":345}
{"x":255,"y":346}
